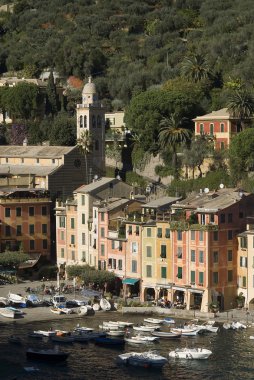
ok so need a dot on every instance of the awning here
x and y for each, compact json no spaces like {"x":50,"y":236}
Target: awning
{"x":130,"y":281}
{"x":196,"y":291}
{"x":179,"y":288}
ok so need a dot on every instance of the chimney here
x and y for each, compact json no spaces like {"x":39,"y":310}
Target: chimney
{"x":25,"y":141}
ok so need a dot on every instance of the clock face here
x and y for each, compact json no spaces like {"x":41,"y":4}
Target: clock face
{"x":77,"y":163}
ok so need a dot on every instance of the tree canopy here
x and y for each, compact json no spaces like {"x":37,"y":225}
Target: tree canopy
{"x":90,"y":275}
{"x":12,"y":259}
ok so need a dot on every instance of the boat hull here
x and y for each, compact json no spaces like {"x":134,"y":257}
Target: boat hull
{"x":54,"y":357}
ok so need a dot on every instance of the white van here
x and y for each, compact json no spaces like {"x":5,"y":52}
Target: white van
{"x":59,"y":300}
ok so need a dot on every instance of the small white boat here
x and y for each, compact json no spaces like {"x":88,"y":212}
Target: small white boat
{"x":251,"y":337}
{"x":108,"y":328}
{"x":45,"y":332}
{"x":125,"y":324}
{"x":96,"y":306}
{"x":167,"y":335}
{"x":154,"y":321}
{"x":105,"y":304}
{"x":145,"y":328}
{"x":83,"y":329}
{"x":110,"y":324}
{"x":185,"y":332}
{"x":4,"y":301}
{"x":66,"y":310}
{"x":139,"y":339}
{"x":238,"y":326}
{"x":142,"y":359}
{"x":190,"y":353}
{"x":116,"y":332}
{"x":56,"y":310}
{"x":5,"y":312}
{"x":83,"y":310}
{"x":17,"y":299}
{"x":226,"y":326}
{"x":33,"y":300}
{"x":169,"y":321}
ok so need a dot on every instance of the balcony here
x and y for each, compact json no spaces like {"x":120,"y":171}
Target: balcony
{"x":204,"y":227}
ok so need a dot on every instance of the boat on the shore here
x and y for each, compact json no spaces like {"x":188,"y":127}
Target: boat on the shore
{"x":45,"y":332}
{"x":105,"y":304}
{"x":169,"y":321}
{"x":4,"y":301}
{"x":142,"y":359}
{"x":185,"y":332}
{"x":56,"y":310}
{"x":96,"y":307}
{"x":190,"y":353}
{"x":33,"y":300}
{"x":7,"y":313}
{"x":16,"y":299}
{"x":47,"y":355}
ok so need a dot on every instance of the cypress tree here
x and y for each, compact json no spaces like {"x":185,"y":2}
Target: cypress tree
{"x":52,"y":103}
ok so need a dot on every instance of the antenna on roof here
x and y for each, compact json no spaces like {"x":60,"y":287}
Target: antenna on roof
{"x":206,"y":190}
{"x":222,"y":186}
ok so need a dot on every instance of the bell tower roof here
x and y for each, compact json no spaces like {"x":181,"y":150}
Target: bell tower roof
{"x":89,"y":88}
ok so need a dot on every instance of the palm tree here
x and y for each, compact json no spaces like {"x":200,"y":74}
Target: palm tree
{"x":84,"y":143}
{"x":241,"y":105}
{"x":195,"y":68}
{"x":173,"y":132}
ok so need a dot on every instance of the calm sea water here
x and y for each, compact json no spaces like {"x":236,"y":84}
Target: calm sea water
{"x":232,"y":358}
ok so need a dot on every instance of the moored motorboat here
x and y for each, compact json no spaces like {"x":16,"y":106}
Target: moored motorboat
{"x":83,"y":329}
{"x":16,"y":299}
{"x":145,"y":328}
{"x":6,"y":312}
{"x":116,"y":332}
{"x":45,"y":332}
{"x":190,"y":353}
{"x":154,"y":321}
{"x":185,"y":331}
{"x":48,"y":355}
{"x":33,"y":300}
{"x":167,"y":335}
{"x":112,"y":342}
{"x":142,"y":359}
{"x":139,"y":339}
{"x":169,"y":321}
{"x":105,"y":304}
{"x":125,"y":324}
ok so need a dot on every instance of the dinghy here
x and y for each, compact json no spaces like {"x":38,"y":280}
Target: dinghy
{"x":16,"y":299}
{"x":153,"y":321}
{"x":105,"y":304}
{"x":190,"y":353}
{"x":139,"y":339}
{"x":167,"y":335}
{"x":142,"y":359}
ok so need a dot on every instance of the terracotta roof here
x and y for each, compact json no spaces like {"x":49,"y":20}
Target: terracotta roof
{"x":221,"y":114}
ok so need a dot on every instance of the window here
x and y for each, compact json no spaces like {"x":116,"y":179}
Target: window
{"x":6,"y":160}
{"x":85,"y":121}
{"x":83,"y":238}
{"x":193,"y":277}
{"x":149,"y":271}
{"x":102,"y":232}
{"x":167,"y":233}
{"x":130,"y":230}
{"x":31,"y":229}
{"x":193,"y":256}
{"x":163,"y":272}
{"x":201,"y":278}
{"x":230,"y":275}
{"x":62,"y":222}
{"x":148,"y":251}
{"x":73,"y":255}
{"x":72,"y":223}
{"x":134,"y":266}
{"x":201,"y":128}
{"x":211,"y":129}
{"x":243,"y":262}
{"x":137,"y":231}
{"x":179,"y":252}
{"x":201,"y":235}
{"x":82,"y":200}
{"x":37,"y":160}
{"x":230,"y":218}
{"x":95,"y":244}
{"x":18,"y":211}
{"x":44,"y":228}
{"x":215,"y":257}
{"x":230,"y":234}
{"x":134,"y":247}
{"x":112,"y":244}
{"x":44,"y":244}
{"x":53,"y":161}
{"x":159,"y":232}
{"x":120,"y":264}
{"x":93,"y":121}
{"x":192,"y":235}
{"x":7,"y":212}
{"x":215,"y":278}
{"x":31,"y":211}
{"x":215,"y":235}
{"x":222,"y":129}
{"x":211,"y":218}
{"x":179,"y":235}
{"x":179,"y":272}
{"x":201,"y":257}
{"x":202,"y":219}
{"x":31,"y":244}
{"x":83,"y":218}
{"x":44,"y":210}
{"x":222,"y":218}
{"x":148,"y":232}
{"x":244,"y":282}
{"x":81,"y":121}
{"x":102,"y":216}
{"x":163,"y":251}
{"x":72,"y":239}
{"x":243,"y":242}
{"x":19,"y":230}
{"x":230,"y":255}
{"x":62,"y":235}
{"x":102,"y":250}
{"x":62,"y":252}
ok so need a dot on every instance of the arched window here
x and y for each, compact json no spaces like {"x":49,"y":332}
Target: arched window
{"x":98,"y":121}
{"x":93,"y":121}
{"x":81,"y":121}
{"x":96,"y":145}
{"x":85,"y":121}
{"x":211,"y":129}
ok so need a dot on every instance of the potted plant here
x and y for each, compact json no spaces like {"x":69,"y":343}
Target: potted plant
{"x":213,"y":307}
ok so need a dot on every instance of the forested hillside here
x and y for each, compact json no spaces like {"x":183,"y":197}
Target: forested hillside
{"x":128,"y":45}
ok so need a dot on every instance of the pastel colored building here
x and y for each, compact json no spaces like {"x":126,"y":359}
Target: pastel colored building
{"x":25,"y":221}
{"x":220,"y":125}
{"x":204,"y":231}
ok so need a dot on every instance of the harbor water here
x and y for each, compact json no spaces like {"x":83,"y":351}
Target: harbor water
{"x":232,"y":357}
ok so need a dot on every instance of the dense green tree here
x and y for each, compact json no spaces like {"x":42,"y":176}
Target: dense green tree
{"x":90,"y":275}
{"x":241,"y":105}
{"x":195,"y":68}
{"x":13,"y":259}
{"x":241,"y":154}
{"x":63,"y":130}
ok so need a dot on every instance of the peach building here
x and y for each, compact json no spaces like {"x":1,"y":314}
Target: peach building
{"x":204,"y":233}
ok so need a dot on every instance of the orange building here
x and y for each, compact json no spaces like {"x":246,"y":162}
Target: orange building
{"x":25,"y":220}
